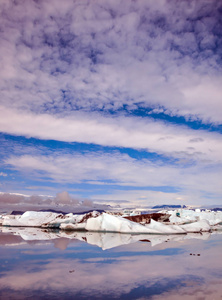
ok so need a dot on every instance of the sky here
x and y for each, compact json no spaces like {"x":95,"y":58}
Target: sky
{"x":114,"y":102}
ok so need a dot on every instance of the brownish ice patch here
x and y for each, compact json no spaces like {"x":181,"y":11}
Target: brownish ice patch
{"x":145,"y":219}
{"x":88,"y":216}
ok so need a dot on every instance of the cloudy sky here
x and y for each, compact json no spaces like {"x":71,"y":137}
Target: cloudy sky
{"x":113,"y":101}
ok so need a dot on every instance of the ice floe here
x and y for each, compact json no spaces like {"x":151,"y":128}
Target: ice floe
{"x":181,"y":216}
{"x":181,"y":221}
{"x":46,"y":219}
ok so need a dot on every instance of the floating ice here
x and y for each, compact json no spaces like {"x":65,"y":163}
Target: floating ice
{"x":46,"y":219}
{"x":181,"y":216}
{"x":181,"y":222}
{"x":36,"y":219}
{"x":110,"y":223}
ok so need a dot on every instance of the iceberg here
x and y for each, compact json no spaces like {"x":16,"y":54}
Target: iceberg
{"x":110,"y":223}
{"x":181,"y":221}
{"x":181,"y":216}
{"x":33,"y":219}
{"x":199,"y":226}
{"x":45,"y":219}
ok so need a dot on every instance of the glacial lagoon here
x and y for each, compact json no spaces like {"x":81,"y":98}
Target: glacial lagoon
{"x":45,"y":264}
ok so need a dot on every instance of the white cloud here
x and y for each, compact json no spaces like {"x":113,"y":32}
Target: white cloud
{"x":3,"y":174}
{"x":63,"y":200}
{"x":132,"y":132}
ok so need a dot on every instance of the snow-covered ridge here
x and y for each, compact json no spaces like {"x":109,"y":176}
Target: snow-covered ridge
{"x":181,"y":221}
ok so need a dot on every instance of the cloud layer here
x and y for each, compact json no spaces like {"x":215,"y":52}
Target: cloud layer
{"x":189,"y":183}
{"x":104,"y":55}
{"x":62,"y":201}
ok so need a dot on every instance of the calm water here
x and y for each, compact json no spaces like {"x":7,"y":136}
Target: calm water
{"x":36,"y":264}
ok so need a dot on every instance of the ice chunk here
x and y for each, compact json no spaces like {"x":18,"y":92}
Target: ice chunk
{"x":163,"y":228}
{"x":180,"y":216}
{"x":199,"y":226}
{"x":110,"y":223}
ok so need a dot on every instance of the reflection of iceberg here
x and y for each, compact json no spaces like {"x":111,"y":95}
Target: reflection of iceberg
{"x":32,"y":234}
{"x":104,"y":240}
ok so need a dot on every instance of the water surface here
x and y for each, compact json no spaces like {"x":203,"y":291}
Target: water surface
{"x":40,"y":264}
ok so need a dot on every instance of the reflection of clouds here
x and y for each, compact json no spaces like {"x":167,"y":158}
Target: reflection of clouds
{"x":61,"y":243}
{"x":211,"y":291}
{"x":7,"y":239}
{"x":123,"y":271}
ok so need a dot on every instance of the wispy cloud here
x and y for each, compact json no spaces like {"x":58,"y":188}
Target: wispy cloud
{"x":133,"y":132}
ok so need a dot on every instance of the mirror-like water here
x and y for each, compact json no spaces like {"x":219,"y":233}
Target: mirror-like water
{"x":40,"y":264}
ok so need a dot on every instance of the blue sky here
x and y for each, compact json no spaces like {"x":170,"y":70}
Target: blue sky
{"x":114,"y":101}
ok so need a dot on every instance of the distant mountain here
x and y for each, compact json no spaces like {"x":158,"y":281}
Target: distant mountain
{"x":168,"y":206}
{"x":83,"y":211}
{"x":17,"y":212}
{"x":75,"y":213}
{"x":217,"y":209}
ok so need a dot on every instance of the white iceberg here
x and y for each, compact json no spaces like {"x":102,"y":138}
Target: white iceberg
{"x":199,"y":226}
{"x":33,"y":219}
{"x":45,"y":219}
{"x":181,"y":216}
{"x":110,"y":223}
{"x":181,"y":222}
{"x":163,"y":228}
